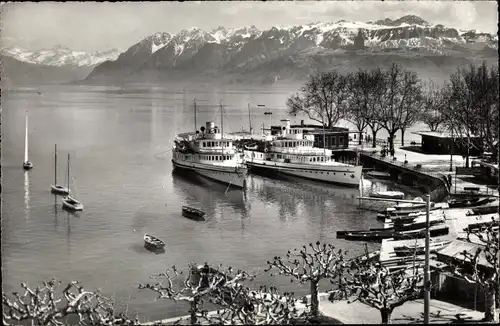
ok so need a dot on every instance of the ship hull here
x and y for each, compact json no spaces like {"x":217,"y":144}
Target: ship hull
{"x":222,"y":174}
{"x":343,"y":175}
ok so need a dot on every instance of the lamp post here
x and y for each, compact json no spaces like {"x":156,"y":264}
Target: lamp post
{"x":451,"y":150}
{"x":427,"y":272}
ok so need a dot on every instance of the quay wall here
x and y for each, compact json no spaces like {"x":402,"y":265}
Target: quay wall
{"x":434,"y":184}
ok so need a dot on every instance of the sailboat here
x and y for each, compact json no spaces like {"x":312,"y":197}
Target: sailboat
{"x":71,"y":202}
{"x":27,"y":165}
{"x":57,"y":189}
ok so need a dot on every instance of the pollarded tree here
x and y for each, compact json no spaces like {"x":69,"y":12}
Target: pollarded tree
{"x":483,"y":265}
{"x":311,"y":265}
{"x":245,"y":306}
{"x":43,"y":306}
{"x":400,"y":103}
{"x":323,"y":98}
{"x":200,"y":284}
{"x":376,"y":286}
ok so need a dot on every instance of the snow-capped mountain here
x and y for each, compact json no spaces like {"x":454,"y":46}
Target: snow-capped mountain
{"x":61,"y":56}
{"x":306,"y":48}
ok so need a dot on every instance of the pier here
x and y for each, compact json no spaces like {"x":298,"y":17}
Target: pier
{"x":412,"y":175}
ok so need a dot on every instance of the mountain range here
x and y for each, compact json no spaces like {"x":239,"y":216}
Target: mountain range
{"x":286,"y":53}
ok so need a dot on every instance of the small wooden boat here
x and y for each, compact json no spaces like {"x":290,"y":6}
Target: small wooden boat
{"x":27,"y":165}
{"x":378,"y":175}
{"x":388,"y":194}
{"x":369,"y":235}
{"x":459,"y":203}
{"x":483,"y":210}
{"x":153,"y":242}
{"x":391,"y":212}
{"x":481,"y":225}
{"x":435,"y":230}
{"x":193,"y":213}
{"x":419,"y":249}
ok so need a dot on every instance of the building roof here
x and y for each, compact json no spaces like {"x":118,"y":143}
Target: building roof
{"x":456,"y":248}
{"x":438,"y":134}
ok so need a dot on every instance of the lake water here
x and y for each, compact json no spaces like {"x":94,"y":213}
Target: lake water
{"x":120,"y":141}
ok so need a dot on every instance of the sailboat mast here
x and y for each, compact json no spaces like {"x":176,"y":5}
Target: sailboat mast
{"x":249,"y":119}
{"x":68,"y":170}
{"x":195,"y":116}
{"x":55,"y":164}
{"x":26,"y":142}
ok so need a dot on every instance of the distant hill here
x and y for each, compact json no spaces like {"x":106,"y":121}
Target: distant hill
{"x":18,"y":73}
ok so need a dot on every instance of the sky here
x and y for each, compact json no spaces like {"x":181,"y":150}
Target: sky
{"x":101,"y":26}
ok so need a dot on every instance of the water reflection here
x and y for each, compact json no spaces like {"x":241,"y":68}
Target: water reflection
{"x":309,"y":196}
{"x":210,"y":196}
{"x":27,"y":194}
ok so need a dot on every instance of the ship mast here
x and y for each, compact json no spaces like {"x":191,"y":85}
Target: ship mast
{"x":249,"y":119}
{"x":194,"y":116}
{"x":222,"y":128}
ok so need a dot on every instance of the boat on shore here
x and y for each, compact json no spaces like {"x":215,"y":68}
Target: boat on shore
{"x":434,"y":230}
{"x":419,"y":248}
{"x":193,"y":213}
{"x":409,"y":214}
{"x":153,"y":242}
{"x":471,"y":202}
{"x":208,"y":153}
{"x":388,"y":194}
{"x":481,"y":210}
{"x":292,"y":153}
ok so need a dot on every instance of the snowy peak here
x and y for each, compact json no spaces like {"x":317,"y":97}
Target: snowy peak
{"x":61,"y":55}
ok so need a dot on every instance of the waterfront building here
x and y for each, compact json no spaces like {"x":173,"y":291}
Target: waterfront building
{"x":435,"y":142}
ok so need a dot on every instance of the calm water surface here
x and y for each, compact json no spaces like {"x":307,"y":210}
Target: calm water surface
{"x":119,"y":141}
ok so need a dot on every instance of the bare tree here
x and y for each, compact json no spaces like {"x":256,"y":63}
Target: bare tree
{"x":400,"y":103}
{"x":473,"y":94}
{"x":483,"y":265}
{"x":320,"y":262}
{"x":375,"y":105}
{"x":201,"y":283}
{"x":258,"y":307}
{"x":43,"y":306}
{"x":360,"y":85}
{"x":378,"y":287}
{"x":434,"y":102}
{"x":323,"y":98}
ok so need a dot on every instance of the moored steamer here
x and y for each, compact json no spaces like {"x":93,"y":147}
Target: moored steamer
{"x":293,"y":154}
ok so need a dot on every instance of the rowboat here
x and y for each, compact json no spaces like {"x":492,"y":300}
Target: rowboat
{"x":153,"y":242}
{"x":193,"y":213}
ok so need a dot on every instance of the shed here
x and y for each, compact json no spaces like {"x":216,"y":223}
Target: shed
{"x":435,"y":142}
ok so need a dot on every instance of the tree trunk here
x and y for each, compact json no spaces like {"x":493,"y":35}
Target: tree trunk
{"x":391,"y":142}
{"x":193,"y":310}
{"x":402,"y":137}
{"x":314,"y":299}
{"x":374,"y":140}
{"x":385,"y":313}
{"x":360,"y":138}
{"x":491,"y":312}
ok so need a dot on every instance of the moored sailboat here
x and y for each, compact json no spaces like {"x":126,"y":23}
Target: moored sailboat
{"x":27,"y":165}
{"x":55,"y":188}
{"x":68,"y":201}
